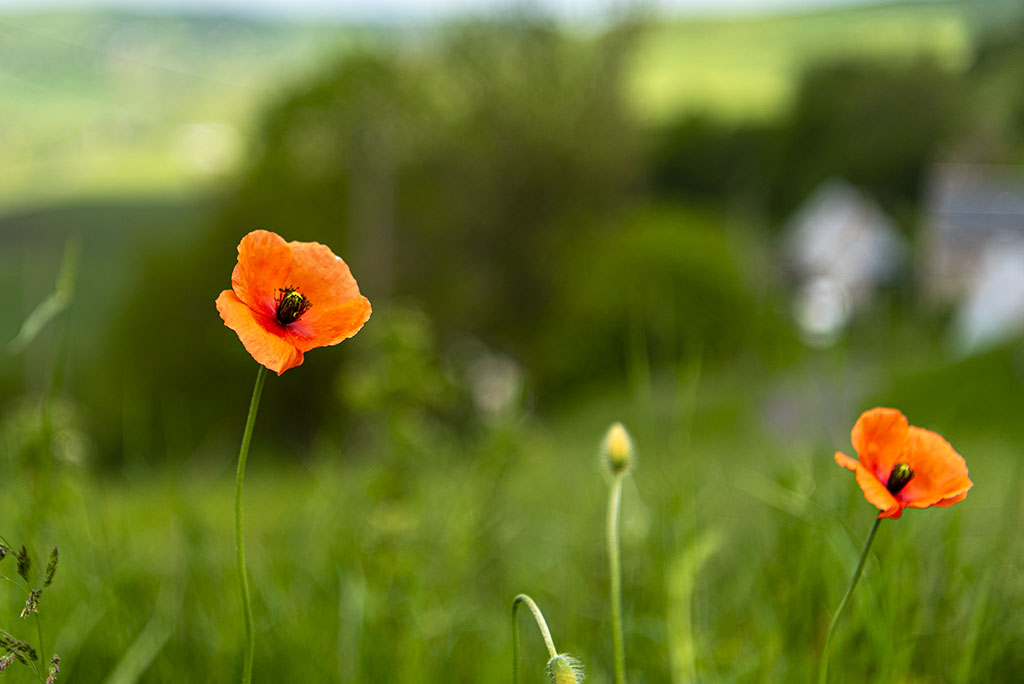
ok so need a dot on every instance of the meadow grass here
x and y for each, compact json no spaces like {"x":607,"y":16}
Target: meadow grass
{"x":738,"y":539}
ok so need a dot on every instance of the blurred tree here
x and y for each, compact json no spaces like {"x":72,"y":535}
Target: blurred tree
{"x":879,"y":126}
{"x":665,"y":284}
{"x":997,"y":72}
{"x":698,"y":157}
{"x":456,"y":174}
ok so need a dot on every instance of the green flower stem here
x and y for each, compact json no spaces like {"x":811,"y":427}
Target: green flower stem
{"x":243,"y":579}
{"x":541,"y":624}
{"x":826,"y":652}
{"x":615,"y":576}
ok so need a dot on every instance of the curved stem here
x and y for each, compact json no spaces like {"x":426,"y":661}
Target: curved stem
{"x":541,"y":624}
{"x":826,"y":651}
{"x":42,"y":647}
{"x":615,"y":577}
{"x":243,"y":579}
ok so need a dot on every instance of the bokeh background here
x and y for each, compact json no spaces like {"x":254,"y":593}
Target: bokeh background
{"x":733,"y":228}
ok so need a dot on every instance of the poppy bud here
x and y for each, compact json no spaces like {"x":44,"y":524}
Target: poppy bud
{"x":618,"y":448}
{"x":564,"y":669}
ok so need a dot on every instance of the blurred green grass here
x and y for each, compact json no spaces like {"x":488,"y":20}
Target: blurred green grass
{"x":402,"y":569}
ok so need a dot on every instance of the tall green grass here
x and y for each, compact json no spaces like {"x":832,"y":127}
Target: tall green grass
{"x":737,"y":541}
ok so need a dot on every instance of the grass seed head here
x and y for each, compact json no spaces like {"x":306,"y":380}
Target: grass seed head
{"x":618,"y":449}
{"x":51,"y":675}
{"x":6,"y":660}
{"x":564,"y":669}
{"x":32,"y":604}
{"x":4,"y":550}
{"x":51,"y":567}
{"x":24,"y":562}
{"x":19,"y":649}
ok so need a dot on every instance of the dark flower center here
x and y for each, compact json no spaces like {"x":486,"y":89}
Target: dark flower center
{"x":291,"y":304}
{"x":899,"y":477}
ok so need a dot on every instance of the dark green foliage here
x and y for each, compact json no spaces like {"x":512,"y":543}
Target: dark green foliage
{"x":454,"y":181}
{"x":998,"y":70}
{"x":666,"y":284}
{"x":879,"y":126}
{"x":698,"y":157}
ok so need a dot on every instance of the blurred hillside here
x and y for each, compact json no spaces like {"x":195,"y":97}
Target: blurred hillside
{"x":115,"y":103}
{"x":533,"y":210}
{"x":109,"y":103}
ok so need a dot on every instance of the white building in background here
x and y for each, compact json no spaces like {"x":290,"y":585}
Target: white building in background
{"x":974,"y":251}
{"x":839,"y":247}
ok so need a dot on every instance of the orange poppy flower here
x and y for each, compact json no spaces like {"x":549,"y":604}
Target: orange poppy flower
{"x":288,"y":298}
{"x":901,"y":465}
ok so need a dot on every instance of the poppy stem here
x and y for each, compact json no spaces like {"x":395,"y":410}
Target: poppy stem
{"x":823,"y":668}
{"x":542,"y":625}
{"x":615,"y":576}
{"x":243,"y":579}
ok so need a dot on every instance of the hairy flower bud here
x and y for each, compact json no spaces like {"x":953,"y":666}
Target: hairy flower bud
{"x":564,"y":669}
{"x":618,"y":449}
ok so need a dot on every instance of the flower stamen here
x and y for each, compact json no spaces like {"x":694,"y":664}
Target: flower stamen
{"x":291,"y":304}
{"x":898,"y":478}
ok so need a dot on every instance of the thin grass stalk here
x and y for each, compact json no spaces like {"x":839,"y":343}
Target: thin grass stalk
{"x":615,"y":576}
{"x":243,"y":579}
{"x":826,"y":651}
{"x":42,"y":646}
{"x":542,"y":625}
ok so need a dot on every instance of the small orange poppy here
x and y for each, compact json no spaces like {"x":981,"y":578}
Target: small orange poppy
{"x":901,"y":465}
{"x":288,"y":298}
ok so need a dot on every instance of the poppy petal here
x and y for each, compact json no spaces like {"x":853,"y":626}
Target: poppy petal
{"x":264,"y":264}
{"x":946,"y":503}
{"x":879,"y":436}
{"x":321,"y":327}
{"x":263,"y":337}
{"x":847,"y":462}
{"x":322,"y":277}
{"x":940,"y":473}
{"x":874,"y":491}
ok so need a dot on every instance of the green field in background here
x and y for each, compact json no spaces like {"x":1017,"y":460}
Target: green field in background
{"x":743,"y":68}
{"x":113,"y":104}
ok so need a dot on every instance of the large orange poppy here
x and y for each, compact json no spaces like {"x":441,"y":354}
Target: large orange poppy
{"x":288,"y":298}
{"x":901,"y":465}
